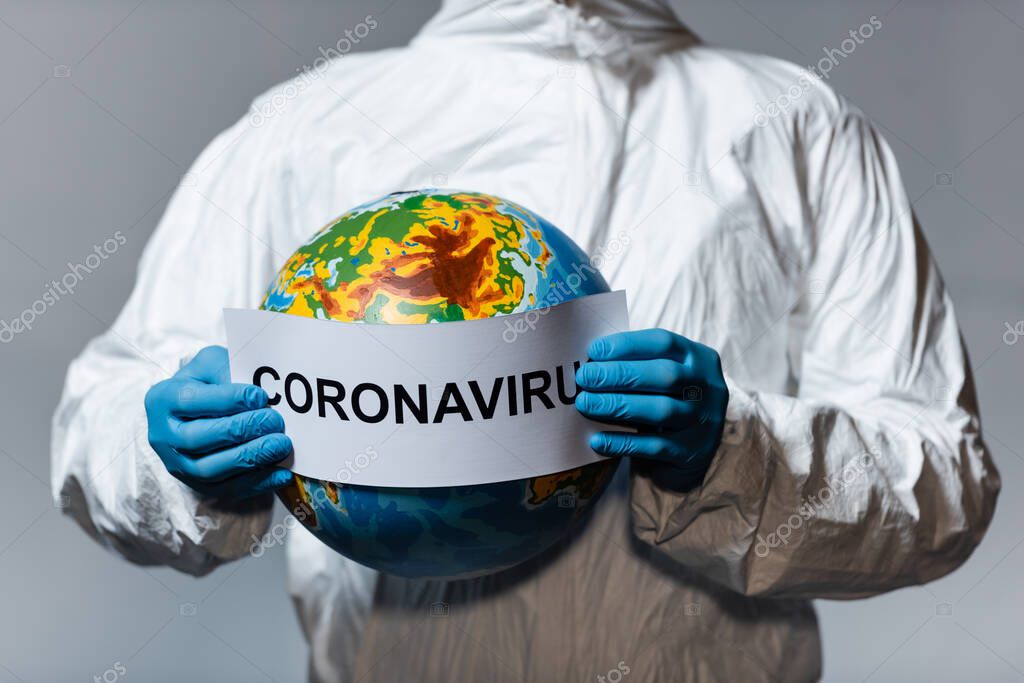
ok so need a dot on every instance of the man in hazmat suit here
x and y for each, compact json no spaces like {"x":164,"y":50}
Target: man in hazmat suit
{"x":751,"y":215}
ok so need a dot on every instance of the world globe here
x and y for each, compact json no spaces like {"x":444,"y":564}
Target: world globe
{"x":422,"y":257}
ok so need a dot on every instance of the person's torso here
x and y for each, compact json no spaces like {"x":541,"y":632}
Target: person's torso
{"x":638,"y":154}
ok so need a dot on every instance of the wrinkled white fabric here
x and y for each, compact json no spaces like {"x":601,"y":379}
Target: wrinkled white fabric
{"x":852,"y":461}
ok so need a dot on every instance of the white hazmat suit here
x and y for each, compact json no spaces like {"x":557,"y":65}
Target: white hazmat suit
{"x":775,"y":230}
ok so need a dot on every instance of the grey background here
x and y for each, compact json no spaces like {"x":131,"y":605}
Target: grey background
{"x":105,"y":103}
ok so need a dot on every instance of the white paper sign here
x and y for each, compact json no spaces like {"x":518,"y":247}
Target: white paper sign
{"x":446,"y":404}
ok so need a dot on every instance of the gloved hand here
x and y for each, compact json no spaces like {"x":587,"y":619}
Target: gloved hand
{"x":669,"y":387}
{"x":217,"y":437}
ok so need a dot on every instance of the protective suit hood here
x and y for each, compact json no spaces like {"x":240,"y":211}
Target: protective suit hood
{"x":584,"y":27}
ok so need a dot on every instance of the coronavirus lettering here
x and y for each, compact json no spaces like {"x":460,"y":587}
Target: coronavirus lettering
{"x":331,"y":398}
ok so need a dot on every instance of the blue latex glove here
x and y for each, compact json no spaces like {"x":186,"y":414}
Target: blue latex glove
{"x":217,"y":437}
{"x":669,"y":387}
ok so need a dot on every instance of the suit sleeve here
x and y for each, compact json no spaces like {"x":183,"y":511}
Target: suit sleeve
{"x":213,"y":248}
{"x":874,"y":474}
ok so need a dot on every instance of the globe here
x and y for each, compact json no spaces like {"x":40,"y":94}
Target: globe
{"x":432,"y":256}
